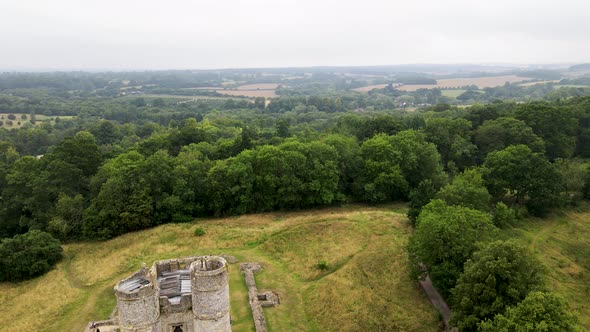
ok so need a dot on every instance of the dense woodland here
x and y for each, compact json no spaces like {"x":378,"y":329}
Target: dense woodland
{"x":104,"y":166}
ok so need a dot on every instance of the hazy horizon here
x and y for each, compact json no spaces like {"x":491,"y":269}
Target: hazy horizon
{"x":145,"y":35}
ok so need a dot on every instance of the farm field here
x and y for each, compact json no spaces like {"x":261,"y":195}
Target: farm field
{"x":573,"y":86}
{"x":539,"y":82}
{"x":266,"y":90}
{"x":261,"y":86}
{"x":480,"y":82}
{"x":175,"y":97}
{"x":249,"y":93}
{"x":365,"y":286}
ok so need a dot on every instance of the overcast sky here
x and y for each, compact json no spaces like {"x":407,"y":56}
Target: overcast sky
{"x":178,"y":34}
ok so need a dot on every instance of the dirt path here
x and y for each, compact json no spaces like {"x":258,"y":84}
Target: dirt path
{"x":436,"y":299}
{"x":545,"y":230}
{"x":74,"y":281}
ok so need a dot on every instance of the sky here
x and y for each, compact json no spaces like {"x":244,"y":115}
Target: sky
{"x":207,"y":34}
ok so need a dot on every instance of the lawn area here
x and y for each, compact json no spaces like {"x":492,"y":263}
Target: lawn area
{"x":365,"y":285}
{"x":452,"y":93}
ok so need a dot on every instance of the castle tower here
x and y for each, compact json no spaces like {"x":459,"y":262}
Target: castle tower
{"x":210,"y":294}
{"x":137,"y":302}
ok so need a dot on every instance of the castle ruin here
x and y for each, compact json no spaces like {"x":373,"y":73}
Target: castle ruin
{"x":176,"y":295}
{"x":183,"y":295}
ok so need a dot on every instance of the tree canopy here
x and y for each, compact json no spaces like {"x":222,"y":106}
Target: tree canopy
{"x":499,"y":275}
{"x":445,"y":237}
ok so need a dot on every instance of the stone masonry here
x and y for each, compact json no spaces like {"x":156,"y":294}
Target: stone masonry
{"x":176,"y":295}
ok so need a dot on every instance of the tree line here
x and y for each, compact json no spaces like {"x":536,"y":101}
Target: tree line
{"x":99,"y":178}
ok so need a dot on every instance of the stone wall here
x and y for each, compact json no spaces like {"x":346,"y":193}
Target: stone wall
{"x":138,"y":310}
{"x":248,"y":270}
{"x":210,"y":289}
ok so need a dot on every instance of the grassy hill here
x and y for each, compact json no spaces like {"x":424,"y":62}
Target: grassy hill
{"x":365,"y":285}
{"x":562,"y":243}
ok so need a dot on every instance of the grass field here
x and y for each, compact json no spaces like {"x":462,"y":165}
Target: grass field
{"x":365,"y":286}
{"x":562,"y":243}
{"x":452,"y":93}
{"x":39,"y":119}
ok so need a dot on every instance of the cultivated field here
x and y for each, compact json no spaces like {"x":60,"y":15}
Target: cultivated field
{"x":539,"y":82}
{"x":261,"y":86}
{"x":249,"y":93}
{"x":365,"y":286}
{"x":480,"y":82}
{"x":175,"y":97}
{"x":266,"y":90}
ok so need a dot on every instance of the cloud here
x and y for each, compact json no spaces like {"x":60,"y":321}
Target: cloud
{"x":149,"y":34}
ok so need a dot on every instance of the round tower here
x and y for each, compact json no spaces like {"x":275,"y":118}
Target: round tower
{"x":137,"y":303}
{"x":210,"y":294}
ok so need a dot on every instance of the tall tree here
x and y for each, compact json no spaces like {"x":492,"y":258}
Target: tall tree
{"x":499,"y":133}
{"x":445,"y":237}
{"x":500,"y":274}
{"x":467,"y":189}
{"x":539,"y":311}
{"x":557,"y":126}
{"x":527,"y":177}
{"x":452,"y":138}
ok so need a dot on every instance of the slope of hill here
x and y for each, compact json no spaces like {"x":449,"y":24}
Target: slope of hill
{"x":562,"y":243}
{"x":364,"y":285}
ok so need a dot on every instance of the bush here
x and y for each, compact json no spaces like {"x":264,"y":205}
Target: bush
{"x":504,"y":216}
{"x":199,"y":231}
{"x":11,"y":117}
{"x":28,"y":255}
{"x":322,"y":265}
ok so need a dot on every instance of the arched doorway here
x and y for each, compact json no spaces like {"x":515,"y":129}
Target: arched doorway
{"x":178,"y":328}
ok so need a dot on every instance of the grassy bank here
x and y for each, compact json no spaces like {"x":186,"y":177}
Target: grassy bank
{"x":363,"y":283}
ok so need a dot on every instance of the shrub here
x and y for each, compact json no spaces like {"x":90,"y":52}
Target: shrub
{"x":504,"y":216}
{"x":28,"y":255}
{"x":199,"y":231}
{"x":322,"y":265}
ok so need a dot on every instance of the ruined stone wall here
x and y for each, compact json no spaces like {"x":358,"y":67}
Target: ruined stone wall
{"x":139,"y":311}
{"x":167,"y":322}
{"x":210,"y":294}
{"x":248,"y":270}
